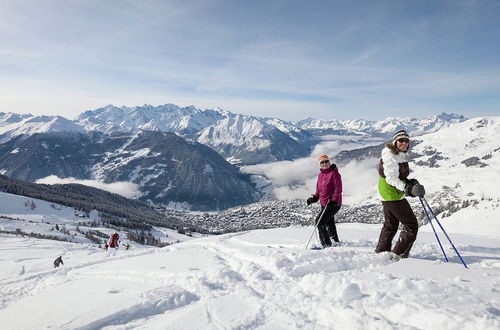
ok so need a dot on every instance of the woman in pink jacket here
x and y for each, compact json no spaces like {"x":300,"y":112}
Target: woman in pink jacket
{"x":329,"y":194}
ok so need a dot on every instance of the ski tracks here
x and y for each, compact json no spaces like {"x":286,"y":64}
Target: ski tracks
{"x":230,"y":282}
{"x":349,"y":285}
{"x":32,"y":283}
{"x":309,"y":281}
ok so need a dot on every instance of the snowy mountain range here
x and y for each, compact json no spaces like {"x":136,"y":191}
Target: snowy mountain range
{"x":382,"y":128}
{"x":127,"y":149}
{"x":13,"y":125}
{"x":241,"y":139}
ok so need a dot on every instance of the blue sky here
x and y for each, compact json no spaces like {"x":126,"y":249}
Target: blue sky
{"x":283,"y":58}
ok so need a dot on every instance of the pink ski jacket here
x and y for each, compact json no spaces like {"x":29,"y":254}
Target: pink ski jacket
{"x":329,"y":186}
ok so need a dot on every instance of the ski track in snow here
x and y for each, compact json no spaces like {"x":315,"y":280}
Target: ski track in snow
{"x":242,"y":281}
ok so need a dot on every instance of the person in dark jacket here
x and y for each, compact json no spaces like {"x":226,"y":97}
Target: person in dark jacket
{"x":329,"y":194}
{"x":58,"y":262}
{"x":393,"y":185}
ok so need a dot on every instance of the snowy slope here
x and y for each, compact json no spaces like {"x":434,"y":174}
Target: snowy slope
{"x":35,"y":216}
{"x":12,"y":125}
{"x":261,"y":279}
{"x":460,"y":164}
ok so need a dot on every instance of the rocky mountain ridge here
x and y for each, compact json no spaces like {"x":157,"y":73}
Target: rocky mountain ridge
{"x":168,"y":169}
{"x":241,"y":139}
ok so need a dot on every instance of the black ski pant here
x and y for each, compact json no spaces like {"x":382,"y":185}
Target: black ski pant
{"x":325,"y":221}
{"x":396,"y":212}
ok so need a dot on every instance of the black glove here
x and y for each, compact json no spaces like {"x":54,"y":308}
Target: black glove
{"x":312,"y":199}
{"x":418,"y":190}
{"x":412,"y":181}
{"x":414,"y":189}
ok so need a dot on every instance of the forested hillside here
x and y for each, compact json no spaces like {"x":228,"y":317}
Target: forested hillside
{"x":114,"y":208}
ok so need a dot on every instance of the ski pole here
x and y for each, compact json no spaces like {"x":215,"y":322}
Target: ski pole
{"x":449,"y":239}
{"x":310,"y":238}
{"x":433,"y":229}
{"x":318,"y":219}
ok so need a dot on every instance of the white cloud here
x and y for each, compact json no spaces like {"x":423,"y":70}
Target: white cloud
{"x":297,"y":179}
{"x":360,"y":180}
{"x":126,"y":189}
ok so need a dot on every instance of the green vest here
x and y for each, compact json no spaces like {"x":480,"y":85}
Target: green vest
{"x":388,"y":192}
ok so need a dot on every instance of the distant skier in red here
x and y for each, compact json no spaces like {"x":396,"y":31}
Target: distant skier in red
{"x":112,"y":244}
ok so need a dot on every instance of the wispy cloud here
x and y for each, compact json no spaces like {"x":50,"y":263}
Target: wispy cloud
{"x":126,"y":189}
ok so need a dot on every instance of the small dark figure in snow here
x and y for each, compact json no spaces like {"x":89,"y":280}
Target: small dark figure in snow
{"x":393,"y":185}
{"x":329,"y":194}
{"x":58,"y":262}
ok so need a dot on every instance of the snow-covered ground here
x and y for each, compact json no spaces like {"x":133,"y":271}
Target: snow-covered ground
{"x":262,"y":279}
